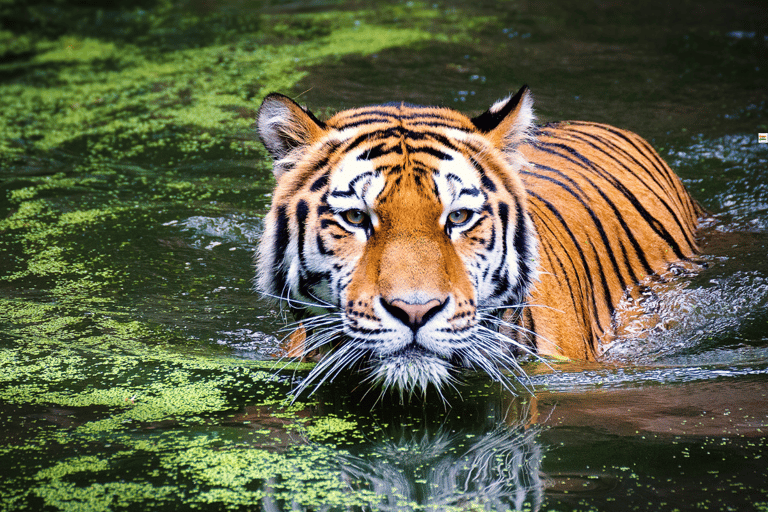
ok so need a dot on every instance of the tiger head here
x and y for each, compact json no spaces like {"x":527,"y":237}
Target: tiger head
{"x":398,"y":232}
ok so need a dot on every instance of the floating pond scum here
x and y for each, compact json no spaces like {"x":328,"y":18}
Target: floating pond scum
{"x":138,"y":368}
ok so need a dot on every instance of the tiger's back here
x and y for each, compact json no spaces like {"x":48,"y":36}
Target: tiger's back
{"x":609,"y":211}
{"x":415,"y":241}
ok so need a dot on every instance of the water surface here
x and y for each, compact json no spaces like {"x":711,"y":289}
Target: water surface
{"x":137,"y":367}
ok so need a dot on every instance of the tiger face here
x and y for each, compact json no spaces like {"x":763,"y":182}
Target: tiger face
{"x":397,"y":232}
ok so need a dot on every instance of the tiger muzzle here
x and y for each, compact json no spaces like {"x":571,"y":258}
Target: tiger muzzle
{"x":413,"y":315}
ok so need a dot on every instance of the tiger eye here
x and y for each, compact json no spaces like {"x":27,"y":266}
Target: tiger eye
{"x":459,"y":216}
{"x":355,"y":217}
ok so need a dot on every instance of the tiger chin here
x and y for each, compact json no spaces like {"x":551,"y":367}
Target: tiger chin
{"x":412,"y":242}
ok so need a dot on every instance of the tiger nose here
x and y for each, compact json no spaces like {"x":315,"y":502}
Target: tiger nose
{"x":413,"y":315}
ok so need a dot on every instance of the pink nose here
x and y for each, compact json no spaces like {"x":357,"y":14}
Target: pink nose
{"x":413,"y":315}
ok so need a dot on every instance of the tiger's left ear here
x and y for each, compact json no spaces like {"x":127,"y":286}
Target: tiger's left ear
{"x":285,"y":126}
{"x":509,"y":122}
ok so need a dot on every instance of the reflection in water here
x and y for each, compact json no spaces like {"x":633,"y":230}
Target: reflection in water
{"x":497,"y":471}
{"x":484,"y":454}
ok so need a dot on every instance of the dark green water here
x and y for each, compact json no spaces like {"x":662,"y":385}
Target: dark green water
{"x":136,"y":368}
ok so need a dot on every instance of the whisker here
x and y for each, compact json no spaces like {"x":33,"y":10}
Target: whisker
{"x":320,"y":336}
{"x":335,"y":361}
{"x":518,"y":306}
{"x":291,"y":300}
{"x":325,"y":303}
{"x":530,"y":334}
{"x":489,"y":357}
{"x":313,"y":323}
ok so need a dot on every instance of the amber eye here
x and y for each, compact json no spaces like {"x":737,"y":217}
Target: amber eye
{"x":459,"y":217}
{"x":355,"y":217}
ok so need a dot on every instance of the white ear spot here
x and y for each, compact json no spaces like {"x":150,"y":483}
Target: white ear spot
{"x":496,"y":107}
{"x":285,"y":127}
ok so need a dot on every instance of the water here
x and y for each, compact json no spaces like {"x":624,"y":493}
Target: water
{"x":138,"y":368}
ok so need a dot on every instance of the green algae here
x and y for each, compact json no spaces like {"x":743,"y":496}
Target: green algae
{"x":191,"y":99}
{"x":103,"y":497}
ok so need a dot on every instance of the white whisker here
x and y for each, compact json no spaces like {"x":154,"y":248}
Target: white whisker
{"x":527,"y":332}
{"x":290,"y":301}
{"x":334,"y":361}
{"x":518,"y":306}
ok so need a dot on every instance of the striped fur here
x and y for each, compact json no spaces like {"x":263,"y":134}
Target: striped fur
{"x":414,"y":241}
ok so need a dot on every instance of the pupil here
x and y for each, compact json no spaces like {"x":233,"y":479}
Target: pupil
{"x":459,"y":216}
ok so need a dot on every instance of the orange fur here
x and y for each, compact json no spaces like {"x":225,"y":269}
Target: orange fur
{"x":567,"y":320}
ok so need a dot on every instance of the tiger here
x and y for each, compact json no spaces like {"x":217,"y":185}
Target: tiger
{"x":413,"y":243}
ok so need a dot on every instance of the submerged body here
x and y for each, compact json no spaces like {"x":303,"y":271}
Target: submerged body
{"x":415,"y":241}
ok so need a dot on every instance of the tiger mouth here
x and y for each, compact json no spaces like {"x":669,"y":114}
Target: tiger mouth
{"x":415,"y":350}
{"x":411,"y":368}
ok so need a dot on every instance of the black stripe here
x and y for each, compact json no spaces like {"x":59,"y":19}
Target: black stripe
{"x":323,"y":208}
{"x":322,"y":248}
{"x":429,"y":151}
{"x":639,"y":252}
{"x":282,"y":237}
{"x":363,"y":330}
{"x":487,"y":182}
{"x":588,"y":165}
{"x":395,"y":132}
{"x":327,"y":223}
{"x":598,"y":224}
{"x":492,"y":241}
{"x":628,"y":264}
{"x":302,"y":211}
{"x":441,"y":139}
{"x":531,"y":327}
{"x":320,"y":183}
{"x":606,"y":288}
{"x":502,"y":280}
{"x":524,"y":256}
{"x":356,"y":142}
{"x":378,"y":151}
{"x":586,"y":266}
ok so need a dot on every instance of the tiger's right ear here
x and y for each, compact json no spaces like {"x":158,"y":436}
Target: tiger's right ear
{"x":285,"y":126}
{"x":509,"y":122}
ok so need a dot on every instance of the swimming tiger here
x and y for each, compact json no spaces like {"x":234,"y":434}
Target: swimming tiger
{"x":414,"y":241}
